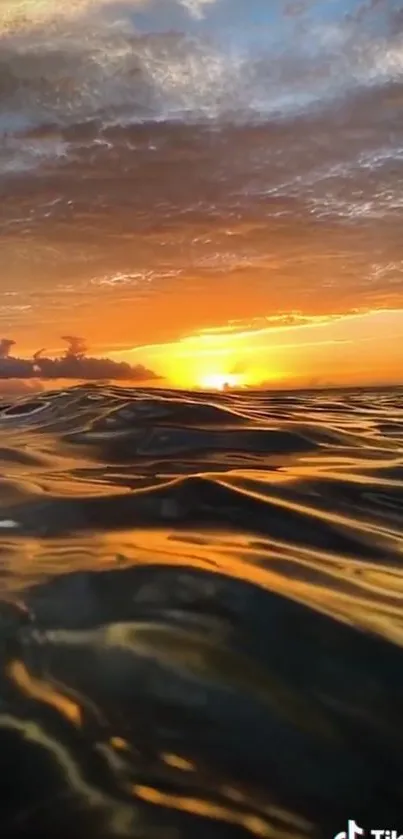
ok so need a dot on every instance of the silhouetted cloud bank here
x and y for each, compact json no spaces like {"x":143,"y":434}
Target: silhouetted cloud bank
{"x":74,"y":364}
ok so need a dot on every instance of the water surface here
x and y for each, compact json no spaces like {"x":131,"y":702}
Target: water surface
{"x":201,"y":614}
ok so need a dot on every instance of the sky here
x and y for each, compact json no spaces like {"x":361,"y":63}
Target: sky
{"x":208,"y":189}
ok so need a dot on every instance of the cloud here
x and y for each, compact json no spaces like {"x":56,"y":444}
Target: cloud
{"x":294,"y":9}
{"x":196,"y":8}
{"x":5,"y":347}
{"x":23,"y":14}
{"x":74,"y":364}
{"x":240,"y":328}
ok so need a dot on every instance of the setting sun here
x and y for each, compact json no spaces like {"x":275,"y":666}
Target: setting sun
{"x":218,"y":381}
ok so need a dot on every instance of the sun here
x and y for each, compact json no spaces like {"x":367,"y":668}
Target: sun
{"x":219,"y":381}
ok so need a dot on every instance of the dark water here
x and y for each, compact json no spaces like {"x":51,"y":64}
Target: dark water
{"x":201,"y":620}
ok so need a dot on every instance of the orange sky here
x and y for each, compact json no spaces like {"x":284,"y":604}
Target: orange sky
{"x":187,"y":338}
{"x":365,"y":348}
{"x":211,"y":219}
{"x":253,"y":323}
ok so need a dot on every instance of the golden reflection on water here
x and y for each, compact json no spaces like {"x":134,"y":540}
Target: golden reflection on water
{"x":254,"y":824}
{"x":118,"y":815}
{"x":178,"y":762}
{"x":119,"y":743}
{"x":244,"y":577}
{"x":359,"y":593}
{"x":44,"y":691}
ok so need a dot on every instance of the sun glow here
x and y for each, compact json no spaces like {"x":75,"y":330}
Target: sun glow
{"x":219,"y":381}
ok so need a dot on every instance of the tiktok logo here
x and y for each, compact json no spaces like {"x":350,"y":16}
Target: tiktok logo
{"x":353,"y":830}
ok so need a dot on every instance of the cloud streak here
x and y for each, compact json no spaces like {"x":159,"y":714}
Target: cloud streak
{"x":268,"y":323}
{"x":74,"y":364}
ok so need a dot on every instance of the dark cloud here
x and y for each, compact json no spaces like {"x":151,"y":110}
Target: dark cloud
{"x":5,"y":347}
{"x":74,"y":364}
{"x":76,"y":346}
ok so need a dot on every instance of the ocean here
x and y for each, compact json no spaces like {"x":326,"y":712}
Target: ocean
{"x":201,"y":613}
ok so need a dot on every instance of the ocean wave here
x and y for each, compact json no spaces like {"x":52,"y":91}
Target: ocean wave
{"x":201,"y":594}
{"x":245,"y":462}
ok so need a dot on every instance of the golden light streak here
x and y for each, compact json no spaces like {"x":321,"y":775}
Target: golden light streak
{"x":43,"y":691}
{"x":178,"y":762}
{"x":255,"y":824}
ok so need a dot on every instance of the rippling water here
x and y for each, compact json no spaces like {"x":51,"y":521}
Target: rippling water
{"x":201,"y":614}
